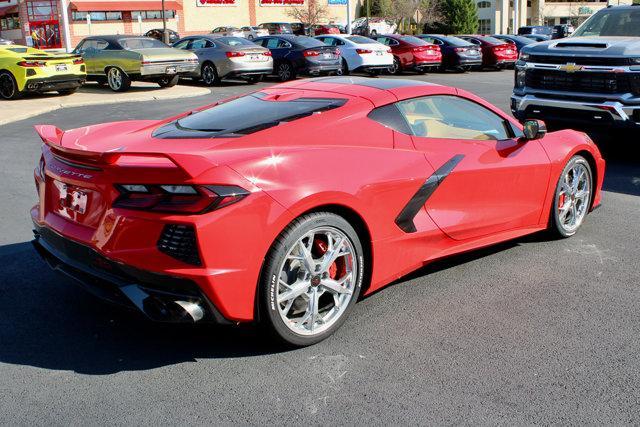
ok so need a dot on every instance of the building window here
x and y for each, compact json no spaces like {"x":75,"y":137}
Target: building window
{"x":152,"y":14}
{"x":10,"y":22}
{"x":46,"y":10}
{"x":484,"y":4}
{"x":484,"y":26}
{"x":96,"y":16}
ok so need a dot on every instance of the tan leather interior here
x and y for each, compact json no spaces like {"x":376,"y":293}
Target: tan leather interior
{"x":433,"y":128}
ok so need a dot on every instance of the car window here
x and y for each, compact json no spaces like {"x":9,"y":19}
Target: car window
{"x":305,"y":41}
{"x":235,"y":41}
{"x":182,"y":44}
{"x":271,"y":43}
{"x":328,"y":40}
{"x":141,"y":43}
{"x":245,"y":29}
{"x":283,"y":44}
{"x":251,"y":113}
{"x":452,"y":117}
{"x":198,"y":44}
{"x":391,"y":117}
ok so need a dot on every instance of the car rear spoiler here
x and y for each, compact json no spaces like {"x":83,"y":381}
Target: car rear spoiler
{"x":191,"y":164}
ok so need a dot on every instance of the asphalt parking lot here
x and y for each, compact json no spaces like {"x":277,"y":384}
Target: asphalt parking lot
{"x":532,"y":331}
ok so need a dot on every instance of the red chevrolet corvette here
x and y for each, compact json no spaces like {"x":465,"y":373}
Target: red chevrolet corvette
{"x":284,"y":205}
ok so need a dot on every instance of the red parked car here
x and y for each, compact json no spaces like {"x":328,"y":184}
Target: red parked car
{"x":411,"y":53}
{"x":496,"y":53}
{"x":325,"y":29}
{"x":283,"y":206}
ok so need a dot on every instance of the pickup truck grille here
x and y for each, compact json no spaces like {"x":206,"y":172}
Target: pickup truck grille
{"x":579,"y":60}
{"x":608,"y":83}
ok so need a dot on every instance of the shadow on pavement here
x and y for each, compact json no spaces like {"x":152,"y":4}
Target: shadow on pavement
{"x":49,"y":323}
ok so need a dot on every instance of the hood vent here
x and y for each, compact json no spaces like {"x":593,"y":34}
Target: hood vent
{"x":585,"y":45}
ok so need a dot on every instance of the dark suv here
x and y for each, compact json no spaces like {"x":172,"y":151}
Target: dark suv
{"x":590,"y":78}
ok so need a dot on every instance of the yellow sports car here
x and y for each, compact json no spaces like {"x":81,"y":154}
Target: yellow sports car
{"x":25,"y":69}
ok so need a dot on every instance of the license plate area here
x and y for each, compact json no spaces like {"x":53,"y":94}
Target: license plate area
{"x":61,"y":67}
{"x":71,"y":200}
{"x":171,"y":70}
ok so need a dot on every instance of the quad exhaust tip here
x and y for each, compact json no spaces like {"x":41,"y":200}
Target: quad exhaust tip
{"x":194,"y":310}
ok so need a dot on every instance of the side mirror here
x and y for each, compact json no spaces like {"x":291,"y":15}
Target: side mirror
{"x":534,"y":129}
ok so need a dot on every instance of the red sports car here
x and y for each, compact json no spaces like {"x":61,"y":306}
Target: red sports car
{"x":411,"y":53}
{"x":284,"y":205}
{"x":495,"y":53}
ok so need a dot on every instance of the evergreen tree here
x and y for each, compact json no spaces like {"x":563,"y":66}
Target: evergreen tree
{"x":460,"y":16}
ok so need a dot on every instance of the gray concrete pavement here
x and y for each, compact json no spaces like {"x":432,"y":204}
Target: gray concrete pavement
{"x":531,"y":331}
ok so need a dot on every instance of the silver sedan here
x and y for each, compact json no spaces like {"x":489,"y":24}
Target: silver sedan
{"x":227,"y":57}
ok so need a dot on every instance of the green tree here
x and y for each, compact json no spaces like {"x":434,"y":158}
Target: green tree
{"x":460,"y":16}
{"x":382,"y":8}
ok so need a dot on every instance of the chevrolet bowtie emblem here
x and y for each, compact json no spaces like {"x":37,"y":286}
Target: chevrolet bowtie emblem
{"x":571,"y":67}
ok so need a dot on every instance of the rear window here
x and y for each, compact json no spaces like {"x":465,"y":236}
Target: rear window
{"x":492,"y":40}
{"x":456,"y":41}
{"x":235,"y":41}
{"x":252,"y":113}
{"x":305,"y":41}
{"x":413,"y":40}
{"x":361,"y":40}
{"x":141,"y":43}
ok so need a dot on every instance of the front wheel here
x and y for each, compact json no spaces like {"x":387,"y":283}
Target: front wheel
{"x":8,"y":86}
{"x":572,"y":197}
{"x":169,"y":81}
{"x":311,"y":278}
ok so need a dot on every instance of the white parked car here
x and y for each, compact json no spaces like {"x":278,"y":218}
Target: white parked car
{"x":360,"y":53}
{"x":228,"y":31}
{"x":376,"y":26}
{"x":254,"y":32}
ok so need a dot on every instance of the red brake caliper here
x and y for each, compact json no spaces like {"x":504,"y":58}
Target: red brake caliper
{"x":338,"y":268}
{"x":561,"y":200}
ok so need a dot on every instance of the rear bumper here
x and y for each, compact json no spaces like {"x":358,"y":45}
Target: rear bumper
{"x":167,"y":68}
{"x":610,"y":113}
{"x":54,"y":83}
{"x":249,"y":72}
{"x":160,"y":297}
{"x":427,"y":64}
{"x":315,"y":70}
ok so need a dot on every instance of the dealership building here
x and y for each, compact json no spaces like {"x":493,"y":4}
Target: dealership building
{"x":41,"y":22}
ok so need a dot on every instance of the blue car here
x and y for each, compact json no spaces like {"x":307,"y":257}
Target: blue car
{"x":519,"y":41}
{"x":295,"y":55}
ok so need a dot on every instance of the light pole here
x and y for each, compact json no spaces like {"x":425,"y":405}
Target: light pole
{"x":348,"y":17}
{"x":65,"y":25}
{"x":165,"y":35}
{"x":515,"y":16}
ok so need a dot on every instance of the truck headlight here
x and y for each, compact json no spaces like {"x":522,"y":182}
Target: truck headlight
{"x":521,"y":76}
{"x":635,"y":60}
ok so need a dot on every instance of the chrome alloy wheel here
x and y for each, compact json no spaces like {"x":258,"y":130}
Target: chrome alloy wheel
{"x":115,"y":78}
{"x":573,"y":197}
{"x":317,"y":279}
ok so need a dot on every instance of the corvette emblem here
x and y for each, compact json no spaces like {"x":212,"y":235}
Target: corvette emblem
{"x":571,"y":67}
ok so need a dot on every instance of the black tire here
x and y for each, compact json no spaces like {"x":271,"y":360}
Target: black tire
{"x":112,"y":80}
{"x":285,"y":71}
{"x":396,"y":68}
{"x":209,"y":74}
{"x":268,"y":287}
{"x":557,"y":227}
{"x":168,"y":81}
{"x":66,"y":92}
{"x":8,"y":86}
{"x":255,"y":79}
{"x":345,"y":67}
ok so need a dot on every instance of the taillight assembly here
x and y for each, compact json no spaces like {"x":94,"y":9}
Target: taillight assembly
{"x":311,"y":53}
{"x":178,"y":199}
{"x":32,"y":64}
{"x":233,"y":54}
{"x":78,"y":61}
{"x":267,"y":53}
{"x":419,"y":49}
{"x":460,"y":49}
{"x":338,"y":52}
{"x":363,"y":51}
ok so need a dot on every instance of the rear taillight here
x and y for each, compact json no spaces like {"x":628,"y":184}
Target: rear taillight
{"x":78,"y":61}
{"x":460,"y":49}
{"x":32,"y":64}
{"x":311,"y":53}
{"x":338,"y":52}
{"x":419,"y":49}
{"x":235,"y":54}
{"x":363,"y":51}
{"x":178,"y":199}
{"x":267,"y":53}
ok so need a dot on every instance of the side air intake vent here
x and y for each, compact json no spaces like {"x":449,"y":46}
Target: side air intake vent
{"x":179,"y":242}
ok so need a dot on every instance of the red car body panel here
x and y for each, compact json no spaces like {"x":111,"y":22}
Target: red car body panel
{"x":499,"y":190}
{"x":495,"y":54}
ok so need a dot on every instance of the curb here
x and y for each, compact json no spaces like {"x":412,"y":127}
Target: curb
{"x":113,"y":100}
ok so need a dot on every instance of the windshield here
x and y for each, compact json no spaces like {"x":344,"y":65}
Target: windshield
{"x":361,"y":40}
{"x":235,"y":41}
{"x":251,"y":113}
{"x":305,"y":41}
{"x":141,"y":43}
{"x":611,"y":22}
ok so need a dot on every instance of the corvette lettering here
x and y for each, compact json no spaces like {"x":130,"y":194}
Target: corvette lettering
{"x":67,"y":172}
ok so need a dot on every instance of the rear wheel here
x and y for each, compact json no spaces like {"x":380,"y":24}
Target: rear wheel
{"x":312,"y":277}
{"x":345,"y":67}
{"x":285,"y":72}
{"x":8,"y":86}
{"x":209,"y":74}
{"x":169,"y":81}
{"x":572,"y":197}
{"x":396,"y":68}
{"x":118,"y":80}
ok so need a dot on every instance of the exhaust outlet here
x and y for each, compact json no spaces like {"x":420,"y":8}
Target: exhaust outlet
{"x":194,"y":310}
